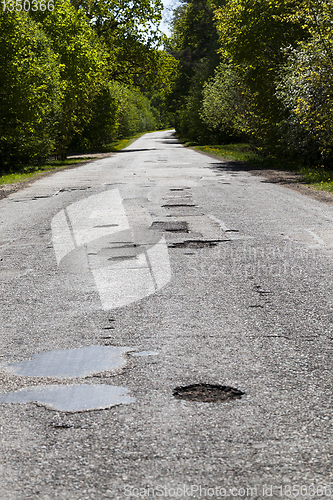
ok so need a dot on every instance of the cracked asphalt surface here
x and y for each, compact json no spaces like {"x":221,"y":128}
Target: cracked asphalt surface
{"x":248,"y":304}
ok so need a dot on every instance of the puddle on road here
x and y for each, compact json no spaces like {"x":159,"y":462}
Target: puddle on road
{"x":71,"y":398}
{"x":80,"y":362}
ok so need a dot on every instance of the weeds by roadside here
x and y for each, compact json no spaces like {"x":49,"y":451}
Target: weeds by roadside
{"x":318,"y":177}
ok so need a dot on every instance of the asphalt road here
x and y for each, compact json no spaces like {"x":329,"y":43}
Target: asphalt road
{"x":159,"y":268}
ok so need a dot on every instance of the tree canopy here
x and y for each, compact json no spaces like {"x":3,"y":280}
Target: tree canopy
{"x":129,"y":30}
{"x":60,"y":66}
{"x":256,"y":69}
{"x":90,"y":71}
{"x":31,"y":90}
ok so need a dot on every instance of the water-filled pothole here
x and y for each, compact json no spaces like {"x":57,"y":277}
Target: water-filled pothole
{"x":71,"y":398}
{"x":80,"y":362}
{"x":207,"y":393}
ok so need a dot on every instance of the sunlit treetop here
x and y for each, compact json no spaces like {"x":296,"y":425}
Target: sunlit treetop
{"x":130,"y":31}
{"x":138,"y":19}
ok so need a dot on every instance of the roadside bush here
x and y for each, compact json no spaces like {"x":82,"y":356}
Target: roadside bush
{"x":223,"y":105}
{"x":305,"y":90}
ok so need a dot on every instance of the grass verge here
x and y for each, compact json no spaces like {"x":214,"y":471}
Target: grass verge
{"x":26,"y":173}
{"x":236,"y":152}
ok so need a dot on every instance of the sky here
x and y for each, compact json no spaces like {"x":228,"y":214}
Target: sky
{"x":168,"y":6}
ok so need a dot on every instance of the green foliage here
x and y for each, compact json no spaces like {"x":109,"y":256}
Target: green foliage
{"x":159,"y":104}
{"x":104,"y":122}
{"x":129,"y":31}
{"x":30,"y":91}
{"x":188,"y":119}
{"x":194,"y":43}
{"x":117,"y":111}
{"x":305,"y":91}
{"x":252,"y":34}
{"x":274,"y":83}
{"x":305,"y":86}
{"x":83,"y":66}
{"x":76,"y":76}
{"x":224,"y":103}
{"x":282,"y":52}
{"x":136,"y":114}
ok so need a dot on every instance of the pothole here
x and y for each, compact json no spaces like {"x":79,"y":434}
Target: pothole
{"x":62,"y":426}
{"x":107,"y":225}
{"x":176,"y":205}
{"x":145,"y":353}
{"x":207,"y":393}
{"x":170,"y":226}
{"x":195,"y":243}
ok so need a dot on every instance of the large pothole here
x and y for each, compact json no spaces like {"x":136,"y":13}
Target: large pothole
{"x":207,"y":393}
{"x":195,"y":243}
{"x":170,"y":226}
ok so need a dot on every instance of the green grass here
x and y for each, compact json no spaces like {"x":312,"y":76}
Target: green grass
{"x":29,"y":172}
{"x":318,"y":177}
{"x":236,"y":152}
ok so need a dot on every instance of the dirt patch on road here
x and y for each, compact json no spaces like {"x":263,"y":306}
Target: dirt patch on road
{"x":7,"y":189}
{"x":293,"y":181}
{"x":283,"y":178}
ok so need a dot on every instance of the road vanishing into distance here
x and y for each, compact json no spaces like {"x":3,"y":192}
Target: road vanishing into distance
{"x":166,"y":332}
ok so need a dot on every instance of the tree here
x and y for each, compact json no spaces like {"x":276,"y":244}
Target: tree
{"x":252,"y":36}
{"x":31,"y":91}
{"x":103,"y":127}
{"x":194,"y":43}
{"x":223,"y":107}
{"x":83,"y":62}
{"x":306,"y":83}
{"x":129,"y":30}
